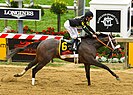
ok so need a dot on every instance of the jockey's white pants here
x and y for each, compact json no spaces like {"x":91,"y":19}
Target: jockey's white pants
{"x":72,"y":30}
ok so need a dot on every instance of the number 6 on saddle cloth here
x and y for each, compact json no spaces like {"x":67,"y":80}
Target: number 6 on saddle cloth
{"x":65,"y":48}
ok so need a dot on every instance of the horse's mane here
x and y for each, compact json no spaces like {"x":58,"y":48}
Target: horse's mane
{"x":100,"y":35}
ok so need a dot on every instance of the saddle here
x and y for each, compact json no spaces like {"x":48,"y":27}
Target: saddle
{"x":65,"y":49}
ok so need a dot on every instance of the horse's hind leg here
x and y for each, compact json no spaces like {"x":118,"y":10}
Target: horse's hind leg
{"x":39,"y":66}
{"x":98,"y":64}
{"x":31,"y":64}
{"x":87,"y":70}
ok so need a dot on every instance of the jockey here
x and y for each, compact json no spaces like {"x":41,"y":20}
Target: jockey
{"x":72,"y":24}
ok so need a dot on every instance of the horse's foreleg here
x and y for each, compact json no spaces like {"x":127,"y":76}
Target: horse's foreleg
{"x":87,"y":70}
{"x":98,"y":64}
{"x":31,"y":64}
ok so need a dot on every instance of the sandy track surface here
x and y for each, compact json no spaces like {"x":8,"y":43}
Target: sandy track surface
{"x":66,"y":80}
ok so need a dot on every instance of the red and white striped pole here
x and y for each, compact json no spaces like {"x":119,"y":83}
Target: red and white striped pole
{"x":29,"y":36}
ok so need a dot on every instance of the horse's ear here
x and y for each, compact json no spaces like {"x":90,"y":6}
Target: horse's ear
{"x":112,"y":36}
{"x":102,"y":35}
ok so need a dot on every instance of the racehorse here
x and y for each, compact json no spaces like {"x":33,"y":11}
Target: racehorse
{"x":49,"y":49}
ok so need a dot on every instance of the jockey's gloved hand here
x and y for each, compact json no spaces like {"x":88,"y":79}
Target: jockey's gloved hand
{"x":94,"y":36}
{"x":97,"y":33}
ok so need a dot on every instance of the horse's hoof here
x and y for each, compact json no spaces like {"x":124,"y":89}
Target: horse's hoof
{"x":118,"y":79}
{"x":17,"y":75}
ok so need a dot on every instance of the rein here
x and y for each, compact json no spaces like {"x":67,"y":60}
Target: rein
{"x":105,"y":44}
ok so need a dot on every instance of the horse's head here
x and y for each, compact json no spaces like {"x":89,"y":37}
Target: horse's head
{"x":108,"y":40}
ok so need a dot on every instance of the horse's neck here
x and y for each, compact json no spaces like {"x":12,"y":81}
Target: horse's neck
{"x":99,"y":44}
{"x":94,"y":42}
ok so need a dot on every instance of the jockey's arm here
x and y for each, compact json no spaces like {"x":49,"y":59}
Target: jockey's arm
{"x":87,"y":30}
{"x":90,"y":29}
{"x":85,"y":24}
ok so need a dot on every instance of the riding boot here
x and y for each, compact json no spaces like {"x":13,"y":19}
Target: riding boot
{"x":74,"y":41}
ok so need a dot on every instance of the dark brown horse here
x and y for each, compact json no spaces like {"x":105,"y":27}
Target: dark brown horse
{"x":49,"y":49}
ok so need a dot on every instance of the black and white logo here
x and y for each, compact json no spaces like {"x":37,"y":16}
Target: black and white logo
{"x":108,"y":21}
{"x":20,"y":14}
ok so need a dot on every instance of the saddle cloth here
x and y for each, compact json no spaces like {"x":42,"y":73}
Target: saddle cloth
{"x":65,"y":51}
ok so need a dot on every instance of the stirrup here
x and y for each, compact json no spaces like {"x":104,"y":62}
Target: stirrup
{"x":74,"y":47}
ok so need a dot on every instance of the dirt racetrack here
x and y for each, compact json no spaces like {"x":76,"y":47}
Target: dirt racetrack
{"x":66,"y":80}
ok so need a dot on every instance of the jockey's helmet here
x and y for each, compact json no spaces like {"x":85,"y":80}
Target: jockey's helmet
{"x":88,"y":14}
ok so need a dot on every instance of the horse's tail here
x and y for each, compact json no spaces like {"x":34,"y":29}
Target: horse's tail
{"x":16,"y":50}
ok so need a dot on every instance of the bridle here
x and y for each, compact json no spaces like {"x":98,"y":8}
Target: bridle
{"x":107,"y":45}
